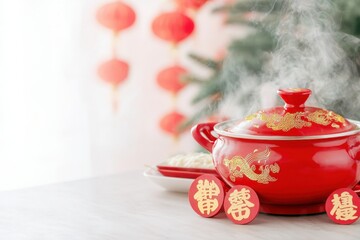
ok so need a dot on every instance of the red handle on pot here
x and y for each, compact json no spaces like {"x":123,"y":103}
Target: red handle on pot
{"x":202,"y":133}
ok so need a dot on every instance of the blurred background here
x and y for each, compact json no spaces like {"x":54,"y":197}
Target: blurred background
{"x":97,"y":87}
{"x":58,"y":121}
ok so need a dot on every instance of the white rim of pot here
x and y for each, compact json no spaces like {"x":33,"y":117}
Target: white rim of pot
{"x":219,"y":129}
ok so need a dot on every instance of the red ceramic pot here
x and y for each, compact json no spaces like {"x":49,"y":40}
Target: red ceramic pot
{"x":292,"y":156}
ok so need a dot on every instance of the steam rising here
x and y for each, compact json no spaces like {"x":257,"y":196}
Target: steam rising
{"x":308,"y":54}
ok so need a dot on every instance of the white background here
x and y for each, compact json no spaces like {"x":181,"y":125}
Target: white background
{"x":56,"y":119}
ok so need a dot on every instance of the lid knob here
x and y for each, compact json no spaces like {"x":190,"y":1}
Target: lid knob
{"x":294,"y":98}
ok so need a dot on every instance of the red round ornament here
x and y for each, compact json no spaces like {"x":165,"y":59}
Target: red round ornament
{"x":173,"y":26}
{"x":357,"y":189}
{"x":170,"y":78}
{"x":116,"y":16}
{"x":241,"y":204}
{"x":192,"y":4}
{"x":343,"y":206}
{"x":114,"y":71}
{"x":170,"y":123}
{"x":206,"y":195}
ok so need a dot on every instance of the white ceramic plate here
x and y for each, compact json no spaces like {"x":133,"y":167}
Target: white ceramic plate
{"x":169,"y":183}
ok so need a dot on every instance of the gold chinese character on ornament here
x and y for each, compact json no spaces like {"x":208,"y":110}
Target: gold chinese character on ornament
{"x":240,"y":204}
{"x":206,"y":196}
{"x":343,"y":207}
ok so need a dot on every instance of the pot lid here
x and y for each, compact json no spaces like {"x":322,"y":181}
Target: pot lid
{"x":294,"y":119}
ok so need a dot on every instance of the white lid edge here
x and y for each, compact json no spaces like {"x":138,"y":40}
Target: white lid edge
{"x":284,"y":138}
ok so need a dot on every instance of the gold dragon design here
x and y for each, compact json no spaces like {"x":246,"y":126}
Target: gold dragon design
{"x":240,"y":166}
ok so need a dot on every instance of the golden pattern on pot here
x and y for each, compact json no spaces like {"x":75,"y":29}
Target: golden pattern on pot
{"x":244,"y":166}
{"x":325,"y":118}
{"x":298,"y":120}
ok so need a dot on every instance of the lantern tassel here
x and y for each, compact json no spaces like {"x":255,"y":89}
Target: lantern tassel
{"x":174,"y":100}
{"x":113,"y":44}
{"x":114,"y":97}
{"x":175,"y":139}
{"x":174,"y":52}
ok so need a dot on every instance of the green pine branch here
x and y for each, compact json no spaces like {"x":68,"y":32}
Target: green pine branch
{"x":243,"y":6}
{"x":251,"y":53}
{"x":206,"y":62}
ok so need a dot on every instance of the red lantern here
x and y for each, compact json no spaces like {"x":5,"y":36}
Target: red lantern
{"x":170,"y":123}
{"x":194,"y":4}
{"x":170,"y":78}
{"x":173,"y":26}
{"x":114,"y":71}
{"x":116,"y":16}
